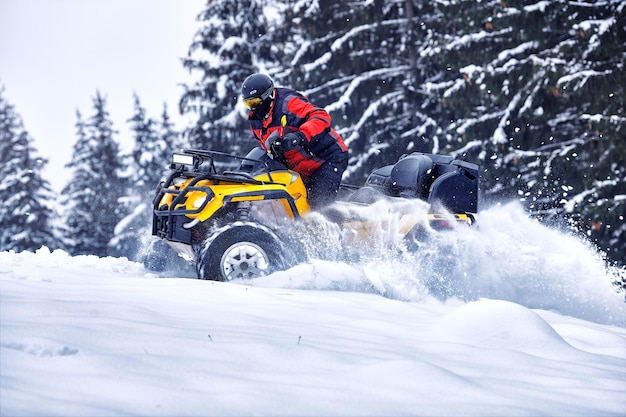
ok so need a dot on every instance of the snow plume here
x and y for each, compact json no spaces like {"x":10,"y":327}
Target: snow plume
{"x":507,"y":255}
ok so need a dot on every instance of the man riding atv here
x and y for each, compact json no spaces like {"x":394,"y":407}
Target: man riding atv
{"x":306,"y":143}
{"x":238,"y":217}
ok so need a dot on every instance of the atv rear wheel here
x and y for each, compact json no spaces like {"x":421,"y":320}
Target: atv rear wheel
{"x":240,"y":251}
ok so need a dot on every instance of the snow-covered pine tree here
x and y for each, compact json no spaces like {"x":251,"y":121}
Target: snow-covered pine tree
{"x":541,"y":107}
{"x":27,"y":211}
{"x":126,"y":240}
{"x":145,"y":140}
{"x":231,"y":44}
{"x":147,"y":163}
{"x":359,"y":60}
{"x":533,"y":91}
{"x":92,"y":196}
{"x":596,"y":200}
{"x":170,"y":141}
{"x":351,"y":57}
{"x":153,"y":144}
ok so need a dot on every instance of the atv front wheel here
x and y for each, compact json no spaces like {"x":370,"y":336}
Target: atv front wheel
{"x":240,"y":251}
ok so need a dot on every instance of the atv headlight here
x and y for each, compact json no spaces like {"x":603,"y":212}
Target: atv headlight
{"x":183,"y":159}
{"x":198,"y":202}
{"x":199,"y":199}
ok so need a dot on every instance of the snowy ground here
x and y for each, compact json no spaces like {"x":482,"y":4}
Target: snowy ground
{"x":525,"y":323}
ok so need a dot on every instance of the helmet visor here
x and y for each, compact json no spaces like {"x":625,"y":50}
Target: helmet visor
{"x":252,"y":102}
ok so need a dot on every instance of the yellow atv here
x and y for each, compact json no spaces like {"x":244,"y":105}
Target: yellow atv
{"x":233,"y":217}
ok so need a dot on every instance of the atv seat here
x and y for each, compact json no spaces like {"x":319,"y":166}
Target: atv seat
{"x":411,"y":176}
{"x":437,"y":179}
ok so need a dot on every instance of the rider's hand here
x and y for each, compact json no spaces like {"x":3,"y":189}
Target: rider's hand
{"x":291,"y":140}
{"x":275,"y":149}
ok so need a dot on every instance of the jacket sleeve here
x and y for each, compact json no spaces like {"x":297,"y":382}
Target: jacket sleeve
{"x":313,"y":122}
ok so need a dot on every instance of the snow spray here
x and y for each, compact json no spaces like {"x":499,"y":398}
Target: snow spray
{"x":507,"y":255}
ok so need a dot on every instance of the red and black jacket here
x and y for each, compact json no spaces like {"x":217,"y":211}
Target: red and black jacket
{"x":291,"y":112}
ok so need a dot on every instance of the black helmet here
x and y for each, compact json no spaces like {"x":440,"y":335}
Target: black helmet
{"x":258,"y":91}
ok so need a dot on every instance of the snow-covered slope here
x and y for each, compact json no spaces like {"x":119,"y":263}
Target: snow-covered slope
{"x":524,"y":323}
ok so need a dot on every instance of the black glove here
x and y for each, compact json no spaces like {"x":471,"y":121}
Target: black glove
{"x":290,"y":141}
{"x":275,"y":149}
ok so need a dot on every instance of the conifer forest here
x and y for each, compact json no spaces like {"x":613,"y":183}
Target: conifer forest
{"x":533,"y":91}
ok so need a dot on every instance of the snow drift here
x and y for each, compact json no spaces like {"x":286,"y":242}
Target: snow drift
{"x":526,"y":323}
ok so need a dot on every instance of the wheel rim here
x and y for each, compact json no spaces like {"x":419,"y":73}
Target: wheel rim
{"x":244,"y":260}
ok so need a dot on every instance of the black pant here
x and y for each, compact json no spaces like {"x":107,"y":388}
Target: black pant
{"x":323,"y":184}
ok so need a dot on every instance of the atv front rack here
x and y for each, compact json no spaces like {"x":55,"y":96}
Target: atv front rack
{"x":199,"y":160}
{"x":175,"y":221}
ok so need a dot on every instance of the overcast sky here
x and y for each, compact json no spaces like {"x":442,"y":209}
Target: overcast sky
{"x":55,"y":55}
